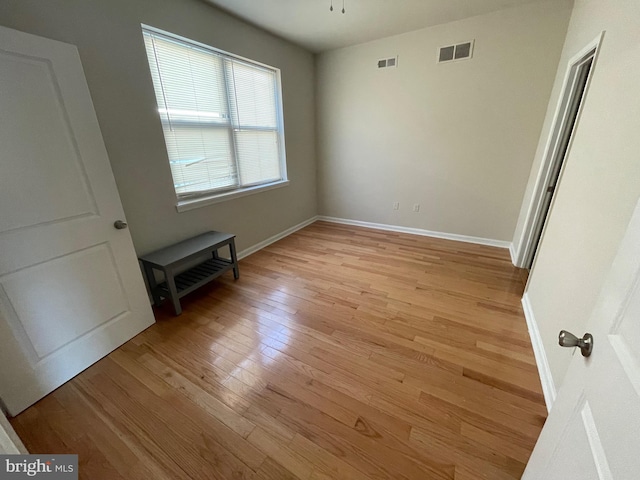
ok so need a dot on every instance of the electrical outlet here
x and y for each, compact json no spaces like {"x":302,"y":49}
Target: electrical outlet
{"x":396,"y":205}
{"x":416,"y":207}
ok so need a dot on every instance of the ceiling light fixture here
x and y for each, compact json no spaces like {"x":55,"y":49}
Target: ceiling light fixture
{"x":331,"y":7}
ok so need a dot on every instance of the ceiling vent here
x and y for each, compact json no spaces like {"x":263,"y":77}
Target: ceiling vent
{"x":388,"y":62}
{"x":452,"y":53}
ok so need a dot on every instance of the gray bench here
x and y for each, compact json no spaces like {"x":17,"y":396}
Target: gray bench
{"x":173,"y":260}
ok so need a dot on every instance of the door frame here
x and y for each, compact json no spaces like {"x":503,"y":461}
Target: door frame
{"x":527,"y":242}
{"x":10,"y":443}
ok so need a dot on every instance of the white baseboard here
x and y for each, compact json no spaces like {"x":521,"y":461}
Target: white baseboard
{"x":393,"y":228}
{"x":512,"y":252}
{"x":548,"y":386}
{"x":418,"y":231}
{"x":265,"y":243}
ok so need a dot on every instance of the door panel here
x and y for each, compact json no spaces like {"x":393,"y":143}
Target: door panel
{"x":42,"y":117}
{"x":61,"y":285}
{"x":592,"y":430}
{"x":71,"y":290}
{"x":580,"y":437}
{"x":565,"y":464}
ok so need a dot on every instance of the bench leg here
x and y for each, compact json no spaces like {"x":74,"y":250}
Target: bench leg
{"x":234,"y":259}
{"x":153,"y":285}
{"x":173,"y":292}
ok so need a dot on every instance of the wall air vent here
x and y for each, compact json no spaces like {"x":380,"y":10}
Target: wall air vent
{"x":388,"y":62}
{"x":452,"y":53}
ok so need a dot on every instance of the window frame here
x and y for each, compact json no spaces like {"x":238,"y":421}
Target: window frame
{"x":194,"y":200}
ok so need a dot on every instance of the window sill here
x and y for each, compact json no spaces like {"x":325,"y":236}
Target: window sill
{"x":186,"y":205}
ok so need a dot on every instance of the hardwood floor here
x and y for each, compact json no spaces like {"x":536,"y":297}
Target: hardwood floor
{"x":341,"y":353}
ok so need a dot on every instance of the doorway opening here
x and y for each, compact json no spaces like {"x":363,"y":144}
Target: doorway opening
{"x":562,"y":132}
{"x":575,"y":98}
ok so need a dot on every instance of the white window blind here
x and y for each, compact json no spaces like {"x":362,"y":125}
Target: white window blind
{"x":220,"y":115}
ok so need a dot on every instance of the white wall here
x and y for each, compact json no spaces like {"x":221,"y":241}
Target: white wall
{"x":108,"y":36}
{"x":457,"y":138}
{"x":600,"y":183}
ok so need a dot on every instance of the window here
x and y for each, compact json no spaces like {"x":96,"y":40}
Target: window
{"x":221,"y":116}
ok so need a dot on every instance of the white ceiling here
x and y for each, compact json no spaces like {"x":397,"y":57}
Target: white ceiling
{"x":309,"y":23}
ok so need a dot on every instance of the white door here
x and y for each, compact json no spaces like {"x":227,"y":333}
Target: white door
{"x":593,"y":430}
{"x":71,"y":290}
